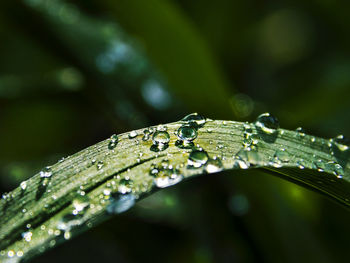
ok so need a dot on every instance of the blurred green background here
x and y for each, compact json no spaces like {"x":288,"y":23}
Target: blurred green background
{"x":74,"y":72}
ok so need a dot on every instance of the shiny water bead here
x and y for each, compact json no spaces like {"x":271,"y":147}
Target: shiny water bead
{"x":196,"y":119}
{"x":214,"y":165}
{"x":125,"y":186}
{"x":249,"y":156}
{"x":319,"y":165}
{"x":132,"y":134}
{"x":146,"y":134}
{"x":99,"y":165}
{"x":121,"y":203}
{"x":341,"y":142}
{"x":46,"y":172}
{"x":23,"y":185}
{"x":168,"y":177}
{"x":197,"y":158}
{"x":334,"y":168}
{"x":160,"y":140}
{"x":80,"y":203}
{"x":267,"y":123}
{"x":187,"y":133}
{"x":113,"y":142}
{"x":300,"y":132}
{"x":282,"y":156}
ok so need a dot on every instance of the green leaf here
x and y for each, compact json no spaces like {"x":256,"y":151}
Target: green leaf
{"x":87,"y":188}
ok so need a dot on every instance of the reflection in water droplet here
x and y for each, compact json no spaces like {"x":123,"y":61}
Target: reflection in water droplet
{"x":195,"y":119}
{"x":160,"y":140}
{"x":197,"y":158}
{"x":120,"y":203}
{"x":99,"y":165}
{"x":267,"y":123}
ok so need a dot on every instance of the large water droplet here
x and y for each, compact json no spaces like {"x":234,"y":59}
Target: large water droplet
{"x":267,"y":123}
{"x":121,"y":203}
{"x":197,"y":158}
{"x":160,"y":140}
{"x":23,"y":185}
{"x":195,"y":119}
{"x":187,"y":133}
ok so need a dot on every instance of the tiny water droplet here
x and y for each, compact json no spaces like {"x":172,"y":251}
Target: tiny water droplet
{"x":300,"y":132}
{"x":132,"y":134}
{"x":23,"y":185}
{"x":27,"y":236}
{"x":319,"y":165}
{"x":99,"y":165}
{"x":341,"y":142}
{"x":46,"y":172}
{"x":197,"y":158}
{"x":80,"y":203}
{"x":267,"y":123}
{"x":125,"y":186}
{"x":113,"y":142}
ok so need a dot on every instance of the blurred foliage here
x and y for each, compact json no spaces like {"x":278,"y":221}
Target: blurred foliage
{"x":74,"y":72}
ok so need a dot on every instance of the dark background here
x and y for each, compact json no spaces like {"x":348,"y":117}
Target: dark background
{"x":74,"y":72}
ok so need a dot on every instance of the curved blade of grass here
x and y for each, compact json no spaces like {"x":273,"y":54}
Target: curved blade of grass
{"x":108,"y":178}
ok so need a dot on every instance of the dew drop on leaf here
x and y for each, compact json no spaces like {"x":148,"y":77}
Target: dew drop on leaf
{"x":214,"y":165}
{"x":160,"y":140}
{"x":197,"y":158}
{"x":46,"y":172}
{"x":195,"y":118}
{"x":113,"y":142}
{"x":341,"y":142}
{"x":120,"y":203}
{"x":267,"y":123}
{"x":187,"y":133}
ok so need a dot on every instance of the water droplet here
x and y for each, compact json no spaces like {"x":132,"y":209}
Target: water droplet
{"x":80,"y":203}
{"x":249,"y":157}
{"x":23,"y":185}
{"x":197,"y":158}
{"x":319,"y":165}
{"x":195,"y":119}
{"x":132,"y":134}
{"x":99,"y":165}
{"x":341,"y":142}
{"x":187,"y":133}
{"x":335,"y":168}
{"x":27,"y":236}
{"x":46,"y":172}
{"x":267,"y":123}
{"x":146,"y":134}
{"x":113,"y":142}
{"x":167,"y":177}
{"x":214,"y":165}
{"x":125,"y":186}
{"x":281,"y":156}
{"x":160,"y":140}
{"x":121,"y":203}
{"x":300,"y":132}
